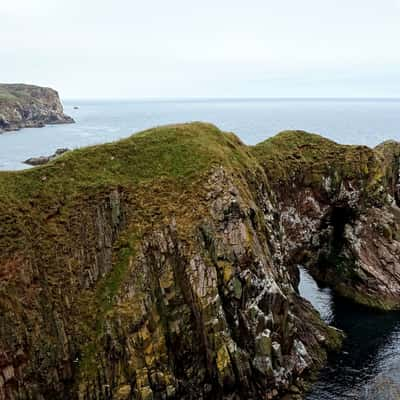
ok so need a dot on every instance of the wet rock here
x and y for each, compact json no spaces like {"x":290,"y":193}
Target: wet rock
{"x":45,"y":159}
{"x":60,"y":151}
{"x":38,"y":160}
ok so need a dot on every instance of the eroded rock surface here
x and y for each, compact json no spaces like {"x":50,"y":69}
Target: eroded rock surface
{"x":27,"y":106}
{"x":339,"y":209}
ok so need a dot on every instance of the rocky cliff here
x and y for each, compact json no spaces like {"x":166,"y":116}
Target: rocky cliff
{"x":339,"y":209}
{"x":163,"y":266}
{"x":26,"y":106}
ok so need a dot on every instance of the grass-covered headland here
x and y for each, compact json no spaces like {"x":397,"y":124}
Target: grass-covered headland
{"x":164,"y":265}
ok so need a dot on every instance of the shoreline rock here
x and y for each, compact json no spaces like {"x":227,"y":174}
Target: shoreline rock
{"x":41,"y":160}
{"x":28,"y":106}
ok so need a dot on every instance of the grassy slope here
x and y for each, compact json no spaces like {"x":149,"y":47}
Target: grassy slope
{"x":179,"y":152}
{"x":173,"y":157}
{"x":306,"y":158}
{"x":182,"y":153}
{"x":14,"y":93}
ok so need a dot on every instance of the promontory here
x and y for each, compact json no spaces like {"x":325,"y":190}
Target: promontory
{"x":28,"y":106}
{"x":165,"y":265}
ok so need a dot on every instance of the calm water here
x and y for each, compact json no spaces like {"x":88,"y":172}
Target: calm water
{"x":346,"y":121}
{"x":372,"y":346}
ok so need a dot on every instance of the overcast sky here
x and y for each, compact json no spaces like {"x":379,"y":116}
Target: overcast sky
{"x":203,"y":48}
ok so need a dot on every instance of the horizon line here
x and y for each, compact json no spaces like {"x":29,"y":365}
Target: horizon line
{"x":234,"y":98}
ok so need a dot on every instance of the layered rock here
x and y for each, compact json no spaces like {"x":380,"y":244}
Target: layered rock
{"x":152,"y":268}
{"x":26,"y":106}
{"x":339,"y":209}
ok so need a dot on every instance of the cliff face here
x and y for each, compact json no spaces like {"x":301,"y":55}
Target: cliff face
{"x":158,"y":275}
{"x":339,"y":209}
{"x":26,"y":106}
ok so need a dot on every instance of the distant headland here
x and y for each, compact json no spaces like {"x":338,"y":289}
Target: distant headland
{"x":28,"y":106}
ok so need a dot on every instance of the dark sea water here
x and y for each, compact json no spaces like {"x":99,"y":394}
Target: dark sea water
{"x":346,"y":121}
{"x":372,"y":346}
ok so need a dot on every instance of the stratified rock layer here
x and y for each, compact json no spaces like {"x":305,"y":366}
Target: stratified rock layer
{"x":163,"y":267}
{"x":339,"y":209}
{"x":27,"y":106}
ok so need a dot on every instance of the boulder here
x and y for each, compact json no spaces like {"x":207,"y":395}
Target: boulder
{"x":45,"y":159}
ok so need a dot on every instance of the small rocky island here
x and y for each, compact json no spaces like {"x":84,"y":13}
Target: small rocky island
{"x":165,"y":265}
{"x":41,"y":160}
{"x":28,"y":106}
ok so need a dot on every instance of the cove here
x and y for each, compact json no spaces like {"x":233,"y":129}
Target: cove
{"x":368,"y":365}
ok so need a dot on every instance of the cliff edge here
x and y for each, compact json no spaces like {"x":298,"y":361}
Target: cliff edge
{"x":28,"y":106}
{"x":339,"y":207}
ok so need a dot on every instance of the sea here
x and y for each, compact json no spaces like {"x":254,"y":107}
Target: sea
{"x":347,"y":121}
{"x":372,"y":345}
{"x":368,"y":365}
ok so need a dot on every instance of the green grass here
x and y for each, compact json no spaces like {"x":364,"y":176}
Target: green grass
{"x":99,"y":305}
{"x":295,"y":151}
{"x":7,"y":97}
{"x":15,"y":92}
{"x":108,"y":287}
{"x":306,"y":158}
{"x":163,"y":172}
{"x":160,"y":163}
{"x":179,"y":152}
